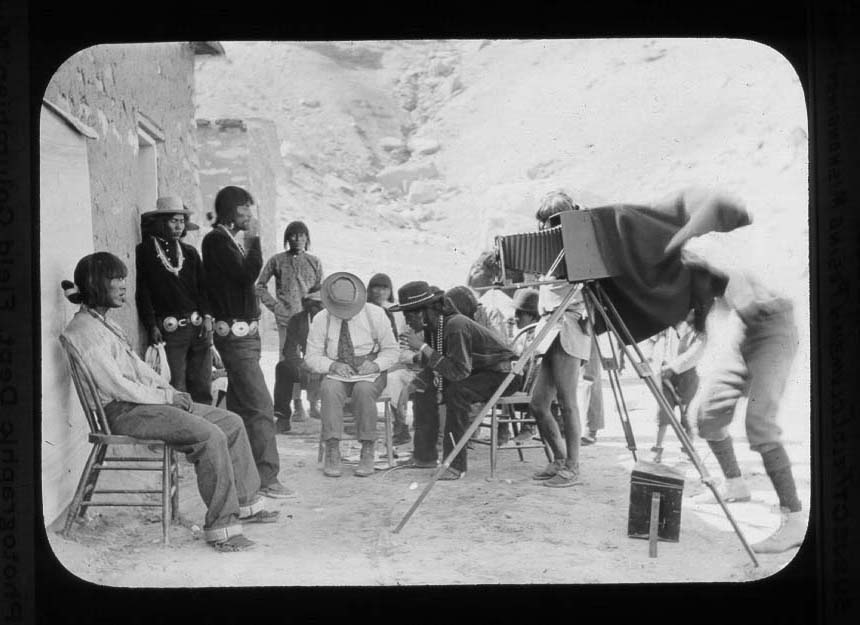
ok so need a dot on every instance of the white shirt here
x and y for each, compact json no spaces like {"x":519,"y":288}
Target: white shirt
{"x":118,"y":372}
{"x":324,"y":333}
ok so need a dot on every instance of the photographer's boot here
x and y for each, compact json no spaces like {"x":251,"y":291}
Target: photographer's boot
{"x":331,"y":466}
{"x":365,"y":462}
{"x":791,"y":532}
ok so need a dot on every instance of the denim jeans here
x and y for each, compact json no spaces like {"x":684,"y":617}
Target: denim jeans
{"x":190,"y":360}
{"x":248,"y":396}
{"x":768,"y":349}
{"x":212,"y":439}
{"x":363,"y":396}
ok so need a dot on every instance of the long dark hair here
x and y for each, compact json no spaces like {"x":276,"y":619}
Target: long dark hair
{"x":297,"y":227}
{"x":226,"y":202}
{"x":93,"y":274}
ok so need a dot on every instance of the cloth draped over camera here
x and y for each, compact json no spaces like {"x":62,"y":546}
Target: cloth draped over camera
{"x":652,"y":288}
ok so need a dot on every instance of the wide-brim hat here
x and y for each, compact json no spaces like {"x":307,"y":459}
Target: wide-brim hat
{"x":168,"y":205}
{"x":417,"y":294}
{"x":527,"y":300}
{"x":343,"y":294}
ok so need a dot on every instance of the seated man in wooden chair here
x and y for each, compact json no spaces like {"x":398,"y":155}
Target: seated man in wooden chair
{"x":465,"y":365}
{"x":291,"y":370}
{"x":138,"y":402}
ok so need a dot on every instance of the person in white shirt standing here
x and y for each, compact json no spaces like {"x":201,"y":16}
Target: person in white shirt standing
{"x":351,"y":342}
{"x":678,"y":350}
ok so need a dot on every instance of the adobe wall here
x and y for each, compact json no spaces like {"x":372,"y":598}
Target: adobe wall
{"x":243,"y":153}
{"x":106,"y":86}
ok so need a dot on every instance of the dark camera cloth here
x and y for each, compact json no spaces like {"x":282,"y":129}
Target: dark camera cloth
{"x":654,"y":290}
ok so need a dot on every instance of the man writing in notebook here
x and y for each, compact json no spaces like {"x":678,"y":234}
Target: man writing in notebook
{"x":351,"y":342}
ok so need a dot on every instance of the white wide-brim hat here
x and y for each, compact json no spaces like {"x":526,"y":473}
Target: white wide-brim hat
{"x":343,"y":294}
{"x":168,"y":205}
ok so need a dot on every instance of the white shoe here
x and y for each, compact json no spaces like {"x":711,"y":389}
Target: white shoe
{"x":791,"y":532}
{"x":734,"y":490}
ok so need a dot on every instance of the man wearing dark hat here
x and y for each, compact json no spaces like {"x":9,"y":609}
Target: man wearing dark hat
{"x":290,"y":369}
{"x":464,"y":364}
{"x":171,"y":299}
{"x":352,"y":343}
{"x":231,"y":267}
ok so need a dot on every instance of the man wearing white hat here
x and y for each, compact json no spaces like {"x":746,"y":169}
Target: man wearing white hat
{"x":353,"y":344}
{"x":171,"y":299}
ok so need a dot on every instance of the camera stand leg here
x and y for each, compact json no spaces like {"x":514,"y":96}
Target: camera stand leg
{"x":597,"y":298}
{"x":516,"y":369}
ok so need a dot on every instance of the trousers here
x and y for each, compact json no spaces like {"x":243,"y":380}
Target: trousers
{"x":190,"y":360}
{"x":363,"y":396}
{"x":458,"y":397}
{"x":288,"y":373}
{"x":685,"y":384}
{"x":213,"y":440}
{"x":248,"y":396}
{"x":768,"y":349}
{"x":592,"y":372}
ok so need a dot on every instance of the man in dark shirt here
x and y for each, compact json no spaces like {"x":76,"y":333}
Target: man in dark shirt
{"x":463,"y":359}
{"x":171,"y":299}
{"x":231,"y":269}
{"x":289,"y":370}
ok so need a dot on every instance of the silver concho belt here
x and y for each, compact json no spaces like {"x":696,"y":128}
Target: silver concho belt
{"x":171,"y":324}
{"x":238,"y":328}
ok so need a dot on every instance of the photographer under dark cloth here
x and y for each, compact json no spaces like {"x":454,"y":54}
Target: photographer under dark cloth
{"x":465,"y":359}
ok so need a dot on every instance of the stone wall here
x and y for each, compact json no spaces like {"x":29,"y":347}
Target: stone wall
{"x":113,"y":88}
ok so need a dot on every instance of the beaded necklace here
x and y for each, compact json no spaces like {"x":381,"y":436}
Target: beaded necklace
{"x":438,"y":346}
{"x":180,"y":257}
{"x":110,"y":326}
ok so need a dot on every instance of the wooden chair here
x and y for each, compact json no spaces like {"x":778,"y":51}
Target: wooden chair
{"x":503,"y":412}
{"x":385,"y":400}
{"x":101,"y":438}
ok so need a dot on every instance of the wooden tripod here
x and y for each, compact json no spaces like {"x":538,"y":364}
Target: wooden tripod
{"x":597,"y":300}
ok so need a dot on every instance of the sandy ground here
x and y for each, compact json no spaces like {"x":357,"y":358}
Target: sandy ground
{"x":474,"y":531}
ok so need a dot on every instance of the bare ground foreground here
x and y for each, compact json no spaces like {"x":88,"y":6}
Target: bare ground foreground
{"x":510,"y":530}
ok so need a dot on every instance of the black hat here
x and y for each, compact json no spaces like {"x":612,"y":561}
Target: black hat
{"x":418,"y":294}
